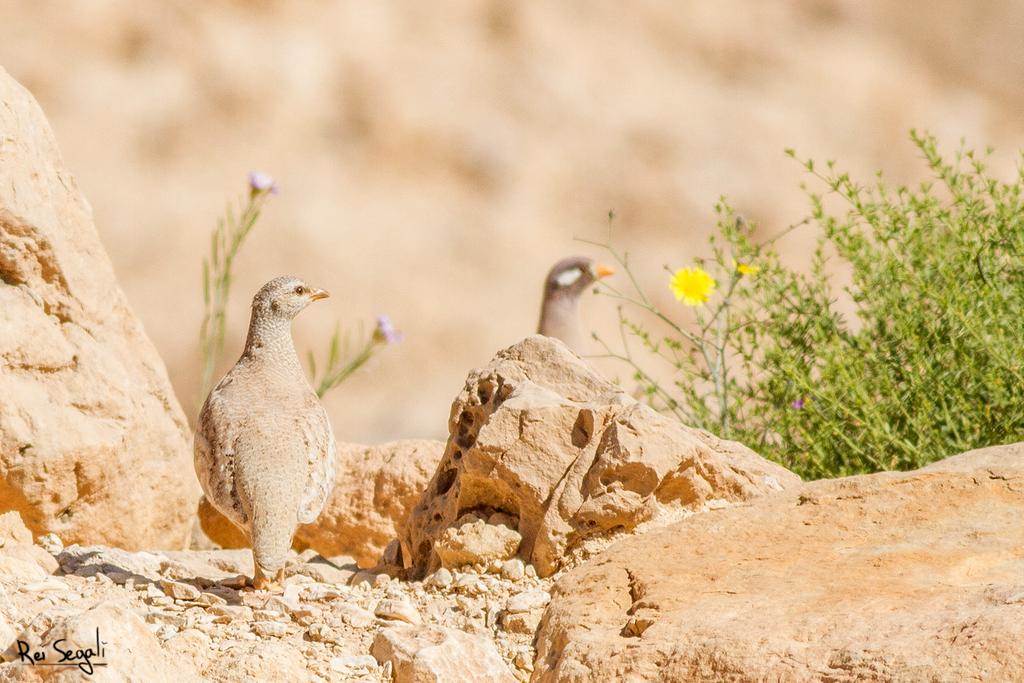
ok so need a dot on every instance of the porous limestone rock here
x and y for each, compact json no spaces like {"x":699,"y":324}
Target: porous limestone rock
{"x":913,"y":576}
{"x":435,"y":654}
{"x":93,"y":444}
{"x":541,"y":440}
{"x":374,"y":490}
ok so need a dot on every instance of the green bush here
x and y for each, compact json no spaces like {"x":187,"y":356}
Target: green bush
{"x":928,"y":363}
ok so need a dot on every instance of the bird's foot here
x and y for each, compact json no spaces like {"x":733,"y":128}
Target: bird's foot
{"x":262,"y":582}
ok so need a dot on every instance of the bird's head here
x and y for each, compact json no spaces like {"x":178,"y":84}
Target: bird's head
{"x":571,"y":276}
{"x":285,"y":297}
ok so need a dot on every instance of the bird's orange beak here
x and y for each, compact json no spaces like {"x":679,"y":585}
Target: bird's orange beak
{"x":318,"y":294}
{"x":604,"y":271}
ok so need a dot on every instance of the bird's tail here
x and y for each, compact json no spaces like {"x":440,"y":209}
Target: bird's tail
{"x":271,"y":539}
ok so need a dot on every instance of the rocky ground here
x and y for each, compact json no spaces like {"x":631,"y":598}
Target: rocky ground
{"x":169,"y":614}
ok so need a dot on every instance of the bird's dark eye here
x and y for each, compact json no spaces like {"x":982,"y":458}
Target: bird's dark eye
{"x":300,"y":290}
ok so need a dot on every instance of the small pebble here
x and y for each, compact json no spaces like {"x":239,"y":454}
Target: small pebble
{"x":321,"y":633}
{"x":50,"y":583}
{"x":51,"y":543}
{"x":526,"y":601}
{"x":513,"y":569}
{"x":180,"y":591}
{"x":355,"y":616}
{"x":400,"y":610}
{"x":270,"y":629}
{"x":211,"y":599}
{"x":319,"y":591}
{"x":166,"y":631}
{"x":467,"y":583}
{"x":227,"y":613}
{"x":525,"y":623}
{"x":234,"y":582}
{"x":440,"y":579}
{"x":342,"y":664}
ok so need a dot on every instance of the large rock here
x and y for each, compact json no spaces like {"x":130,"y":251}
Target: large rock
{"x":374,"y":491}
{"x":888,"y":577}
{"x":540,"y":439}
{"x":435,"y":654}
{"x":127,"y":651}
{"x":20,"y":560}
{"x":93,"y":444}
{"x":375,"y":488}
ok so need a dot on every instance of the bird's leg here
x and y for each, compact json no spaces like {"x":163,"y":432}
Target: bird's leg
{"x":260,"y":581}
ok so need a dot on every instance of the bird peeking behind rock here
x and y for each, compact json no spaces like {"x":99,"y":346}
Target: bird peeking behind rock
{"x":559,"y":312}
{"x":264,"y":450}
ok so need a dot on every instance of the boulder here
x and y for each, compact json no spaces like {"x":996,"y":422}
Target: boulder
{"x":374,"y":490}
{"x":127,"y":651}
{"x":913,"y":576}
{"x":218,"y":528}
{"x":93,"y":444}
{"x":435,"y":654}
{"x":539,"y":439}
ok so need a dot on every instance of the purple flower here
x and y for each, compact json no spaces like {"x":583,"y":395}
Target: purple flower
{"x":798,"y":404}
{"x":386,"y":332}
{"x":261,"y":182}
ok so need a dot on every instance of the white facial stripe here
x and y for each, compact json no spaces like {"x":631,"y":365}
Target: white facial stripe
{"x":567,"y":277}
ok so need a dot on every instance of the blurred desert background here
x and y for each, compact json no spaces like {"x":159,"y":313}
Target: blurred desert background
{"x":436,"y":158}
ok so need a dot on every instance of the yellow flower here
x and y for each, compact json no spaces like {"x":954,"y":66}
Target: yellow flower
{"x":692,"y":286}
{"x":746,"y":268}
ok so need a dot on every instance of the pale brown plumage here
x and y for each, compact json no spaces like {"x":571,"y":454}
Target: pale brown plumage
{"x":264,"y":449}
{"x":559,"y":312}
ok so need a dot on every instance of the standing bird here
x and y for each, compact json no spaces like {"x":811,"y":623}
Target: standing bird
{"x":559,"y":312}
{"x":264,"y":450}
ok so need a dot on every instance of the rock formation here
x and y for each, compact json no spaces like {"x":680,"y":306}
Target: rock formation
{"x":568,"y":460}
{"x":93,"y":444}
{"x":374,"y":490}
{"x":913,"y":576}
